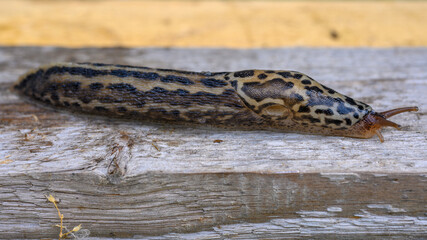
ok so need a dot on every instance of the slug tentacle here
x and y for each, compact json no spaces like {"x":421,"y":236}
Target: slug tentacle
{"x":251,"y":99}
{"x":395,"y":111}
{"x":380,"y":136}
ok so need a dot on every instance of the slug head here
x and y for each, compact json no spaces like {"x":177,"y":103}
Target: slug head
{"x":372,"y":123}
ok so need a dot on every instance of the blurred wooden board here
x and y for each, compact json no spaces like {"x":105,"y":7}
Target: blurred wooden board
{"x":76,"y":23}
{"x":122,"y":179}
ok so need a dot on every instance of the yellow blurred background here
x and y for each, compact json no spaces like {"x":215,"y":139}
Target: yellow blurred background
{"x":237,"y":24}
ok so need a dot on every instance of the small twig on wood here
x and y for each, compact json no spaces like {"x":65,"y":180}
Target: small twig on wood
{"x":52,"y":199}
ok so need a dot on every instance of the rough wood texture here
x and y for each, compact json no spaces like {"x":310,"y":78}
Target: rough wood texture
{"x":122,"y":179}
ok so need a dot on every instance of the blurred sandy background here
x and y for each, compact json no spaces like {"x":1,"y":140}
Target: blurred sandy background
{"x":135,"y":23}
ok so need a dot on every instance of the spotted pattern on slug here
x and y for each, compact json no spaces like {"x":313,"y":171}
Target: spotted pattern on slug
{"x":297,"y":96}
{"x":249,"y":99}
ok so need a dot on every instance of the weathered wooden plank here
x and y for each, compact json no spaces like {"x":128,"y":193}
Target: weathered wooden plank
{"x":121,"y":178}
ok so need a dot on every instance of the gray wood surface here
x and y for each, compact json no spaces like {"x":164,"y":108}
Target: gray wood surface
{"x":122,"y":179}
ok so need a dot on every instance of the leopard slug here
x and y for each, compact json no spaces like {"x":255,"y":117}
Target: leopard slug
{"x":251,"y":99}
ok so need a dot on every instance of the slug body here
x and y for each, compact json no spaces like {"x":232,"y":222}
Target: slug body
{"x":251,"y":99}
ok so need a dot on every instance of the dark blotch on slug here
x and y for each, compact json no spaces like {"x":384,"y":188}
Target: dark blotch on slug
{"x":330,"y":90}
{"x":356,"y":115}
{"x":228,"y":93}
{"x":101,"y":109}
{"x":71,"y":87}
{"x":120,"y":73}
{"x":75,"y":104}
{"x":298,"y":76}
{"x":145,"y":75}
{"x":289,"y":85}
{"x":333,"y":121}
{"x":327,"y":112}
{"x":181,"y":92}
{"x":234,"y":84}
{"x":122,"y":87}
{"x":53,"y":87}
{"x":87,"y":72}
{"x":161,"y":113}
{"x":262,"y":76}
{"x":135,"y":74}
{"x":208,"y":74}
{"x":314,"y":89}
{"x":351,"y":101}
{"x":206,"y":95}
{"x":310,"y":118}
{"x":175,"y":113}
{"x":96,"y":86}
{"x":285,"y":74}
{"x":243,"y":74}
{"x":158,"y":90}
{"x":54,"y":96}
{"x":306,"y":82}
{"x":338,"y":100}
{"x":85,"y":99}
{"x":121,"y":109}
{"x":57,"y":69}
{"x":177,"y":79}
{"x":212,"y":82}
{"x":347,"y":121}
{"x":304,"y":109}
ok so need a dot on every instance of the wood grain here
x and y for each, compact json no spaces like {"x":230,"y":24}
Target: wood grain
{"x":122,"y":179}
